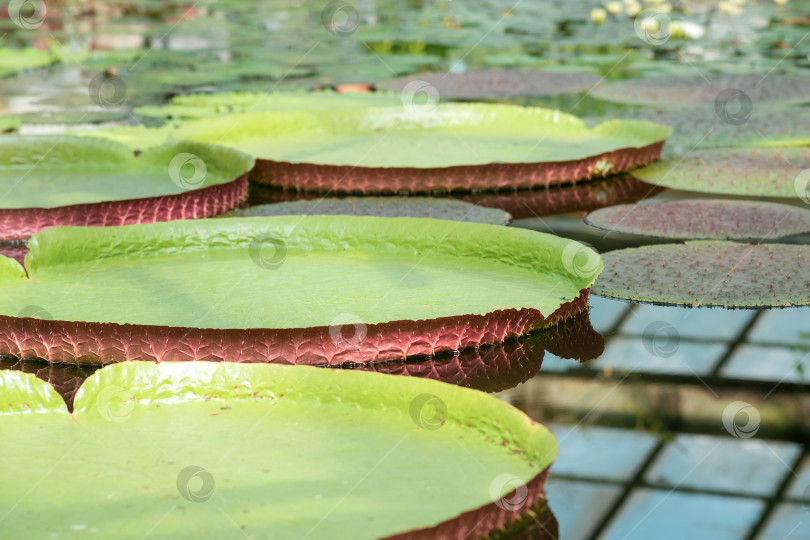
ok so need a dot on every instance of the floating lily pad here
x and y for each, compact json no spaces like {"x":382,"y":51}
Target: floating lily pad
{"x":494,"y":83}
{"x":68,"y":180}
{"x":354,"y":289}
{"x":698,"y":89}
{"x":15,"y":60}
{"x":298,"y":442}
{"x":770,"y":172}
{"x":709,"y":273}
{"x":703,"y":127}
{"x":204,"y":105}
{"x":441,"y":148}
{"x":704,"y":219}
{"x":425,"y":207}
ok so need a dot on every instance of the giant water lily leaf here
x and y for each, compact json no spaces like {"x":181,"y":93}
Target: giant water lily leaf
{"x":709,"y":273}
{"x":771,"y":172}
{"x":437,"y":148}
{"x":493,"y":83}
{"x":204,"y":105}
{"x":704,"y":219}
{"x":353,"y":289}
{"x":68,"y":180}
{"x":736,"y":92}
{"x":427,"y":207}
{"x":196,"y":447}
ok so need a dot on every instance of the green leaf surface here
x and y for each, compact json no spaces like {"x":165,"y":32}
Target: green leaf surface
{"x":293,"y":271}
{"x":53,"y":171}
{"x":221,"y":450}
{"x":421,"y":136}
{"x":14,"y":60}
{"x":137,"y":137}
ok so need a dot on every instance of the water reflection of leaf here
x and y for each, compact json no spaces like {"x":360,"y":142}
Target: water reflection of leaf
{"x":499,"y":367}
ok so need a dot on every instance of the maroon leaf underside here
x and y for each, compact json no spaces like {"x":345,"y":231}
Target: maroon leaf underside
{"x":106,"y":343}
{"x":18,"y":224}
{"x":490,"y":176}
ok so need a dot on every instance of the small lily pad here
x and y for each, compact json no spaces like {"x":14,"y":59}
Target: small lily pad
{"x":704,"y":219}
{"x":494,"y":83}
{"x":699,"y":89}
{"x":770,"y":172}
{"x":709,"y":273}
{"x":425,"y":207}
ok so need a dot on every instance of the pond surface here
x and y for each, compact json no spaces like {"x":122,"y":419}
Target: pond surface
{"x":672,"y":422}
